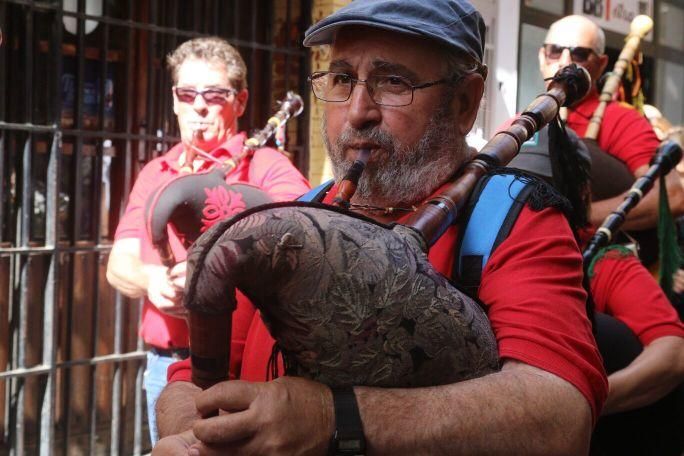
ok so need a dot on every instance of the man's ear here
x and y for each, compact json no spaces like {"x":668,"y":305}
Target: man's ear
{"x":175,"y":103}
{"x":241,"y":102}
{"x":470,"y":91}
{"x":541,"y":56}
{"x":603,"y":63}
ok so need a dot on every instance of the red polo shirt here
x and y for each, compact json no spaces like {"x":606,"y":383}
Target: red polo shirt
{"x":622,"y":287}
{"x":624,"y":134}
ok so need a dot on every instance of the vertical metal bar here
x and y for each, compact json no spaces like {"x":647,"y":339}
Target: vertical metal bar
{"x":303,"y":127}
{"x":27,"y":193}
{"x":158,"y":125}
{"x":138,"y":389}
{"x":150,"y":109}
{"x":5,"y":186}
{"x":118,"y":300}
{"x":288,"y":43}
{"x":19,"y":391}
{"x":3,"y":117}
{"x":116,"y":387}
{"x":23,"y":263}
{"x":96,"y":208}
{"x":104,"y":75}
{"x":162,"y":92}
{"x":76,"y":201}
{"x":96,"y":192}
{"x":268,"y":62}
{"x":253,"y":64}
{"x":172,"y":39}
{"x":47,"y":415}
{"x":129,"y":108}
{"x":79,"y":112}
{"x":95,"y":332}
{"x":28,"y":94}
{"x":28,"y":68}
{"x":3,"y":60}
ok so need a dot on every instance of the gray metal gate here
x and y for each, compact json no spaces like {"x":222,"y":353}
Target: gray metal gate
{"x":85,"y":101}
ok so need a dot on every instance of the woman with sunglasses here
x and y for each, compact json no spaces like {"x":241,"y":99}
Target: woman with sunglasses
{"x":209,"y":96}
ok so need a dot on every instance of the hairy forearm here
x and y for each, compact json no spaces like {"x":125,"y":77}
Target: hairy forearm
{"x":645,"y":214}
{"x":520,"y":410}
{"x":652,"y":375}
{"x":176,"y":410}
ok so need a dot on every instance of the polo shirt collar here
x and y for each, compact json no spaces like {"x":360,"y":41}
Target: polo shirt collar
{"x":229,"y":148}
{"x":587,"y":106}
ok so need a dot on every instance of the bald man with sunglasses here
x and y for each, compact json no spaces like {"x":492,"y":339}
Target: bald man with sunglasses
{"x":624,"y":134}
{"x":209,"y":96}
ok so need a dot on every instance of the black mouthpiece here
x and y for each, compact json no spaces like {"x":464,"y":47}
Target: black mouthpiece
{"x":577,"y":80}
{"x":669,"y":153}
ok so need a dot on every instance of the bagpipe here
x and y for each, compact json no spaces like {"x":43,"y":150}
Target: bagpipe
{"x":667,"y":156}
{"x":193,"y":202}
{"x":349,"y":300}
{"x":610,"y":176}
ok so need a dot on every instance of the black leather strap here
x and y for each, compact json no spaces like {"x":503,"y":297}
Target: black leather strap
{"x":348,"y":438}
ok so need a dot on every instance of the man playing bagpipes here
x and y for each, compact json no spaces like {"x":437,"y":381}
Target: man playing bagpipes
{"x":404,"y":87}
{"x":638,"y":331}
{"x":642,"y":346}
{"x":209,"y":96}
{"x":624,"y":132}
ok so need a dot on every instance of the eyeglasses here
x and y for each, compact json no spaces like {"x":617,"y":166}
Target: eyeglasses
{"x":211,"y":96}
{"x":578,"y":54}
{"x":385,"y":90}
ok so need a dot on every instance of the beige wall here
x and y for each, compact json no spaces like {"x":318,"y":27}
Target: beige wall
{"x":319,"y":165}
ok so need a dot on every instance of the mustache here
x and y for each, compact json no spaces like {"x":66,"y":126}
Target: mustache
{"x":352,"y":136}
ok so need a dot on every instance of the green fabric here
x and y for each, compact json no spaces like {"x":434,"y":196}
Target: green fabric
{"x":621,"y":249}
{"x":670,"y":255}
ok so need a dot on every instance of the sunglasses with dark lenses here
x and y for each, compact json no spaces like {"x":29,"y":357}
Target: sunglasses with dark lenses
{"x":211,"y":96}
{"x":578,"y":54}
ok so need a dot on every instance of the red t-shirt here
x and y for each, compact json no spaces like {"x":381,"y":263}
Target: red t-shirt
{"x":624,"y":133}
{"x":267,"y":169}
{"x":532,"y":286}
{"x":622,"y":287}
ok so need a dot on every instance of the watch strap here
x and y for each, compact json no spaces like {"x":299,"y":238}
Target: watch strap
{"x":348,"y":438}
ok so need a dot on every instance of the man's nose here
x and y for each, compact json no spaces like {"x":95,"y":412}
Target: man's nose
{"x":565,"y":58}
{"x":199,"y":104}
{"x":363,"y":111}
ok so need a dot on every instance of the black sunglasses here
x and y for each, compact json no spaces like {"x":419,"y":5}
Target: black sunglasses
{"x":211,"y":96}
{"x":578,"y":54}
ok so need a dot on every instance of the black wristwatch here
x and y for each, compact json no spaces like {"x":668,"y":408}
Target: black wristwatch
{"x":348,"y":438}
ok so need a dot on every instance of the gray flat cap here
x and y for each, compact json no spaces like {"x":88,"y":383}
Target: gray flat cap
{"x":454,"y":23}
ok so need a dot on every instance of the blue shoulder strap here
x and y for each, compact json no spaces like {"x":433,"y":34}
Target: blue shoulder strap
{"x":494,"y":208}
{"x":317,"y":194}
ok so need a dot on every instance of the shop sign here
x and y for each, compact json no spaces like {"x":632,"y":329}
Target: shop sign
{"x":614,"y":15}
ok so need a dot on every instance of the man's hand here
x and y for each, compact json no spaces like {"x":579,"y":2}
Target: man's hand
{"x":175,"y":445}
{"x":165,"y":288}
{"x":127,"y":273}
{"x":287,"y":416}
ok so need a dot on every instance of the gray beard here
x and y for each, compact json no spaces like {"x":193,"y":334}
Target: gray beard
{"x":404,"y":175}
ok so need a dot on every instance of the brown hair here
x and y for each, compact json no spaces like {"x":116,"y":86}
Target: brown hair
{"x":213,"y":50}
